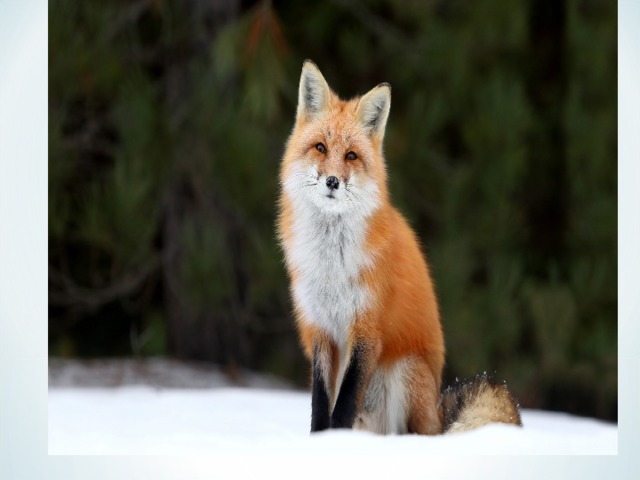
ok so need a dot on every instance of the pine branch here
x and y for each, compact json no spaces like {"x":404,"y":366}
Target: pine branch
{"x":384,"y":29}
{"x":69,"y":294}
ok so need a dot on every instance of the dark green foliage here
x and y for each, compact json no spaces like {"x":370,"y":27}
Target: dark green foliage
{"x":167,"y":121}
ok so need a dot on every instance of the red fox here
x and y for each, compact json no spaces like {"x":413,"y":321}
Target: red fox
{"x":364,"y":301}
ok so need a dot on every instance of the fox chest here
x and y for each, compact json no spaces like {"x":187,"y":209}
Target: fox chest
{"x":328,"y":255}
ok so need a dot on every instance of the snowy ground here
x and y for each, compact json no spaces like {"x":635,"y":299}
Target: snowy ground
{"x":262,"y":418}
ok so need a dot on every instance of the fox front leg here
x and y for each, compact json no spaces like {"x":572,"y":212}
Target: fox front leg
{"x":320,"y":419}
{"x":355,"y":381}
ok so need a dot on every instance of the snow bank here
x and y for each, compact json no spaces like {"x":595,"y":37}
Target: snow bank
{"x":154,"y":372}
{"x":145,"y":420}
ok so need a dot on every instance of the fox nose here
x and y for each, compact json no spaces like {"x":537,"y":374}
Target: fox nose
{"x":333,"y":183}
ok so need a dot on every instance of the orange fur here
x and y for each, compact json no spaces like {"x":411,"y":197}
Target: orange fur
{"x":401,"y":320}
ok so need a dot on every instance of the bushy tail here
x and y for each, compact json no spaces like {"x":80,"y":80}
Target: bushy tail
{"x":470,"y":405}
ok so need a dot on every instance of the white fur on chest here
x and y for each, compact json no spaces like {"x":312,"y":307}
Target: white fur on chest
{"x":328,"y":253}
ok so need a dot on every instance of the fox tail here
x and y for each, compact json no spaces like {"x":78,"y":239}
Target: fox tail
{"x":468,"y":405}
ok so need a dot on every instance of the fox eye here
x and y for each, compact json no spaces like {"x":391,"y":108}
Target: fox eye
{"x":321,"y":148}
{"x":351,"y":156}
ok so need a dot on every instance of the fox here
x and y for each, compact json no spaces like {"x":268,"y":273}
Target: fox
{"x":363,"y":297}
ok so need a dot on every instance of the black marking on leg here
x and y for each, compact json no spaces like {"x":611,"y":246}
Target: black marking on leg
{"x":344,"y":413}
{"x":319,"y":398}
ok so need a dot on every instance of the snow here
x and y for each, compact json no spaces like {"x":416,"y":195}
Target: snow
{"x":139,"y":420}
{"x":155,"y":372}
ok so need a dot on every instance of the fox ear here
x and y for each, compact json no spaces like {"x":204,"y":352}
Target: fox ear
{"x":313,"y":93}
{"x":373,"y":110}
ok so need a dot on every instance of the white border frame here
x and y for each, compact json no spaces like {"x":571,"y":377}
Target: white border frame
{"x":23,"y":297}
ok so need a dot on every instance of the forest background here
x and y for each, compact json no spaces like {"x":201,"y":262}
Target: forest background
{"x":167,"y":121}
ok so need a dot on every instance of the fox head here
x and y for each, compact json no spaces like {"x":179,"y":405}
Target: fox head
{"x":333,"y":160}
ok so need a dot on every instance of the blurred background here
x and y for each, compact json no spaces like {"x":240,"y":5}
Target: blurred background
{"x":167,"y":120}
